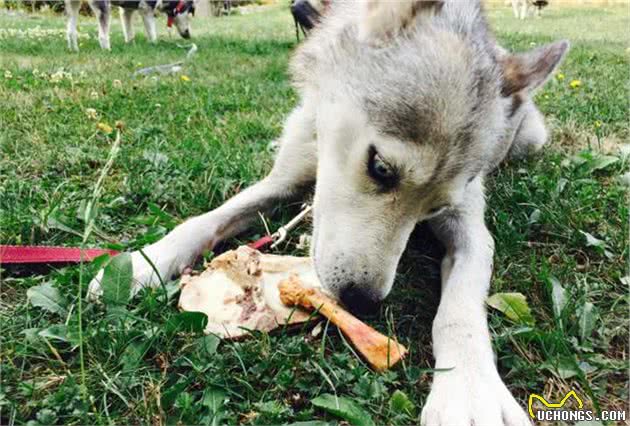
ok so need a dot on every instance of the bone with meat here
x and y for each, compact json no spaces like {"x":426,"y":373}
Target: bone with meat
{"x":380,"y":351}
{"x":239,"y":291}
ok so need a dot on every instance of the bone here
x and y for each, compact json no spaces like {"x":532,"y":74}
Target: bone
{"x":380,"y":351}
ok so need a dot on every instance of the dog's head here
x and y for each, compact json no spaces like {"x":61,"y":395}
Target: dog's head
{"x":179,"y":13}
{"x":408,"y":117}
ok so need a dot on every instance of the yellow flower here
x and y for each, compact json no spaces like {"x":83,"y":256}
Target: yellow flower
{"x":598,"y":124}
{"x":185,"y":78}
{"x":91,"y":113}
{"x":105,"y":128}
{"x":575,"y":84}
{"x":560,"y":76}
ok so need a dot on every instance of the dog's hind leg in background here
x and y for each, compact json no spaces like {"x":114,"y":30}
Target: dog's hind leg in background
{"x":293,"y":171}
{"x":126,"y":16}
{"x":148,"y":17}
{"x":72,"y":11}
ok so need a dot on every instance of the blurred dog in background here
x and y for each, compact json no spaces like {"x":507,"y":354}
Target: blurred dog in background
{"x":521,"y":8}
{"x":178,"y":13}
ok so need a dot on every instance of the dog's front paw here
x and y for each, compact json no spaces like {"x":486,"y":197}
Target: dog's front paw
{"x":462,"y":399}
{"x":166,"y":261}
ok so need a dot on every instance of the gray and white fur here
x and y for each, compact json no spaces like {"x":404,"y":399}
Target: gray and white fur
{"x":177,"y":11}
{"x":404,"y":108}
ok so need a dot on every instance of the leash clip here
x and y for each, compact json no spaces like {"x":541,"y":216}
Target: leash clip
{"x":281,"y":234}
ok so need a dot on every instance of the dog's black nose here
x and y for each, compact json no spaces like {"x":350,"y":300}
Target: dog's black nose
{"x":186,"y":34}
{"x":358,"y":301}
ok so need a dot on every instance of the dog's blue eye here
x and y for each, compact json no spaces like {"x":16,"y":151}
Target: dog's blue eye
{"x":380,"y":170}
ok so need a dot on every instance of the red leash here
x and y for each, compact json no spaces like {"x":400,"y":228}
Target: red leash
{"x":47,"y":254}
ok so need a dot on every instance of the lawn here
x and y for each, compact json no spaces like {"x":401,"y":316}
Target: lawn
{"x":190,"y":141}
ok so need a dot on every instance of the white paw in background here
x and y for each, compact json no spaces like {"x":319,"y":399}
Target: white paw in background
{"x":167,"y":259}
{"x":465,"y":398}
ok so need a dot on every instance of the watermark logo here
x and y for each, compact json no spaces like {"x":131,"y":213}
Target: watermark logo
{"x":555,"y":411}
{"x":551,"y":404}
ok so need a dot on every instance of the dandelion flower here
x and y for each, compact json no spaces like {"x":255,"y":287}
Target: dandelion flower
{"x":598,"y":124}
{"x":91,"y":113}
{"x":185,"y":78}
{"x":104,"y":127}
{"x":560,"y":76}
{"x":575,"y":84}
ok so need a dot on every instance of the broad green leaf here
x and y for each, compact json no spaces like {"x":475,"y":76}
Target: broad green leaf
{"x":399,"y":403}
{"x":117,"y":280}
{"x":560,"y":185}
{"x":566,"y":368}
{"x":214,"y":399}
{"x":344,"y":408}
{"x":513,"y":305}
{"x":591,"y":241}
{"x":133,"y":354}
{"x":60,"y":332}
{"x":601,"y":162}
{"x":208,"y":344}
{"x":535,"y":217}
{"x":47,"y":297}
{"x":587,"y":321}
{"x":194,"y":322}
{"x":558,"y":297}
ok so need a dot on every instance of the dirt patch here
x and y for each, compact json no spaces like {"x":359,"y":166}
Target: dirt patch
{"x":572,"y":138}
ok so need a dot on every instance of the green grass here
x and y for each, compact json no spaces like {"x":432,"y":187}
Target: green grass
{"x":189,"y":145}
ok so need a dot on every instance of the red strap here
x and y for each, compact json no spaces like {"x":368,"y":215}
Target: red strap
{"x":261,"y":243}
{"x":43,"y":254}
{"x":169,"y":21}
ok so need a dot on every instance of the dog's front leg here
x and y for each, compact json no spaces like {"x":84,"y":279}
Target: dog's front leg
{"x":102,"y":11}
{"x":293,"y":171}
{"x":469,"y":391}
{"x":72,"y":10}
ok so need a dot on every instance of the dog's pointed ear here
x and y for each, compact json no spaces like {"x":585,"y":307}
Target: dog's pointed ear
{"x":381,"y":20}
{"x":530,"y":70}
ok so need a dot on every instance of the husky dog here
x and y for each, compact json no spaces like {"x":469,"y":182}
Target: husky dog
{"x":177,"y":11}
{"x":521,"y":7}
{"x":405,"y":107}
